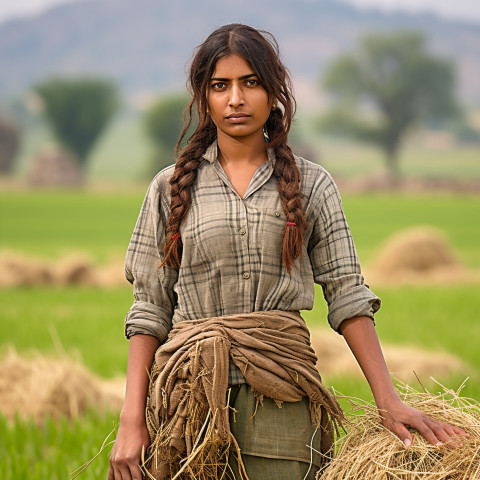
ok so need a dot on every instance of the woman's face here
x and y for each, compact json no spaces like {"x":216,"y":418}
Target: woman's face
{"x":237,"y":103}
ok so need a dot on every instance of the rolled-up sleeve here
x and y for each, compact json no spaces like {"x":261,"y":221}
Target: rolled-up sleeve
{"x":153,"y":287}
{"x":334,"y":260}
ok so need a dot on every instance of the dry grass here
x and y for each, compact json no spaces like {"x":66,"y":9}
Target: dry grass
{"x":17,"y":270}
{"x":404,"y":362}
{"x":419,"y":255}
{"x":370,"y":451}
{"x":41,"y":387}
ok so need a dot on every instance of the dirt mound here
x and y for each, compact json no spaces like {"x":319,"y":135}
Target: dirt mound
{"x":18,"y":270}
{"x":41,"y":387}
{"x":418,"y":255}
{"x":335,"y":358}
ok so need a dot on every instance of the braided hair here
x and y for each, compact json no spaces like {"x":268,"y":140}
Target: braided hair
{"x":260,"y":50}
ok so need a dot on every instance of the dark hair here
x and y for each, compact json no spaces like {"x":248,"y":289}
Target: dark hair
{"x":260,"y":50}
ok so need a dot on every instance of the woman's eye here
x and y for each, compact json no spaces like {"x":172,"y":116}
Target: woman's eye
{"x":252,"y":82}
{"x":218,"y":85}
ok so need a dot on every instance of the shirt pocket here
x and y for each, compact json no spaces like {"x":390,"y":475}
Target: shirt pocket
{"x":273,"y":226}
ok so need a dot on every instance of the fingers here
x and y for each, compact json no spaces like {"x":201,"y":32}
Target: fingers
{"x":398,"y":420}
{"x":111,"y":474}
{"x":438,"y":433}
{"x":403,"y":434}
{"x":124,"y":469}
{"x":460,"y":432}
{"x":123,"y":472}
{"x":455,"y":435}
{"x":136,"y":472}
{"x":117,"y":475}
{"x":442,"y":434}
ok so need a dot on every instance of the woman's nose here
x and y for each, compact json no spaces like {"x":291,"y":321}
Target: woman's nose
{"x":236,"y":96}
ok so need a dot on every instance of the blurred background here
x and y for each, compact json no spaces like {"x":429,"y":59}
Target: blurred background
{"x":91,"y":100}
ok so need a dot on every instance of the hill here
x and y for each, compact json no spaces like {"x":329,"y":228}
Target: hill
{"x":145,"y":44}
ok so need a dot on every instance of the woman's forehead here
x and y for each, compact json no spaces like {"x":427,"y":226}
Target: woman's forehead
{"x":232,"y":66}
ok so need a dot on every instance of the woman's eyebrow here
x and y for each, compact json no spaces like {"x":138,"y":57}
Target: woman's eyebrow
{"x":243,"y":77}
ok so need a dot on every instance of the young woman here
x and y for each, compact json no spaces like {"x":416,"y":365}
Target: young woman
{"x":242,"y":229}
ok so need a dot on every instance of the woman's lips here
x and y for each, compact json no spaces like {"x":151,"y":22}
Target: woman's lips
{"x":237,"y":117}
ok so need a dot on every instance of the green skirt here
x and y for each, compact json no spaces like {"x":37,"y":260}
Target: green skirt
{"x":276,"y":443}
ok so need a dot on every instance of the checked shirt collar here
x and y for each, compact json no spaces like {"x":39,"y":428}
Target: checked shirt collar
{"x":261,"y":176}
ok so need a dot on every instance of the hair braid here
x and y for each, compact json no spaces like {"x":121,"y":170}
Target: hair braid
{"x":181,"y":183}
{"x":288,"y":186}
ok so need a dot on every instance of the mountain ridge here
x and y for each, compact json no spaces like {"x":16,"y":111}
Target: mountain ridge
{"x":145,"y":45}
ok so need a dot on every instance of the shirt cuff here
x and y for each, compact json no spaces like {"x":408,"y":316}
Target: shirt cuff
{"x":147,"y":319}
{"x":359,"y":302}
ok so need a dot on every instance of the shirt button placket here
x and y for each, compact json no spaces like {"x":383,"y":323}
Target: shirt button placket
{"x":243,"y":231}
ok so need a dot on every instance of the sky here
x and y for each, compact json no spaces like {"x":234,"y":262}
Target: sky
{"x":458,"y":9}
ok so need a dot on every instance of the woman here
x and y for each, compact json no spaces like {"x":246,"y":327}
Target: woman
{"x":240,"y":226}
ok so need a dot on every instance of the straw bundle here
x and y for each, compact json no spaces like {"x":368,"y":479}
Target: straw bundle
{"x":419,"y":255}
{"x":18,"y":270}
{"x":370,"y":451}
{"x":39,"y":387}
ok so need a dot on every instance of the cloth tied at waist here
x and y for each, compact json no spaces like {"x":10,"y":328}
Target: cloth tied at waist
{"x":187,"y":409}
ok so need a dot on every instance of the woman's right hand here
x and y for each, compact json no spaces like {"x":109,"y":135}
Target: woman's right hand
{"x":126,"y":455}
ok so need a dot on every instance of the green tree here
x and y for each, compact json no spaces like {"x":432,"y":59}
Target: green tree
{"x":386,"y":87}
{"x":78,"y":110}
{"x":164,"y":123}
{"x":9,"y":143}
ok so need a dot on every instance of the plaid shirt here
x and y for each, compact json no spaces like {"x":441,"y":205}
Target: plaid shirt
{"x":232,"y":252}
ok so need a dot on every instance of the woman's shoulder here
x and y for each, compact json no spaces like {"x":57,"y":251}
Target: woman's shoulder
{"x":161,"y":181}
{"x":315,"y":179}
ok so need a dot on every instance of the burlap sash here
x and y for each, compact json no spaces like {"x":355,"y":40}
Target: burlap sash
{"x":187,"y":411}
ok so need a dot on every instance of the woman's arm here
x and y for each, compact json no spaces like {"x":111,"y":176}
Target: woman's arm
{"x":359,"y":333}
{"x":125,"y":457}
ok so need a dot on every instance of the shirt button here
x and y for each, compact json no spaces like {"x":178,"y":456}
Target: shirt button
{"x":246,"y":275}
{"x":277,"y":214}
{"x":243,"y":231}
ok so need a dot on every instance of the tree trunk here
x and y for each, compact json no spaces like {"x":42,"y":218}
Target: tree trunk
{"x":393,"y":171}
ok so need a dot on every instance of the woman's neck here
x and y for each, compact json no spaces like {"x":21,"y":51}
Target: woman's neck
{"x":247,"y":151}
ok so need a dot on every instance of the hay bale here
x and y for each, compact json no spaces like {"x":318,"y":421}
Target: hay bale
{"x":75,"y":269}
{"x":370,"y":451}
{"x":17,"y":270}
{"x":419,"y":249}
{"x":112,"y":274}
{"x":416,"y":254}
{"x":20,"y":270}
{"x":404,"y":363}
{"x":41,"y":387}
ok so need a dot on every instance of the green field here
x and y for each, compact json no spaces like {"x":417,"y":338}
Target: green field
{"x":55,"y":451}
{"x":87,"y":323}
{"x":54,"y":223}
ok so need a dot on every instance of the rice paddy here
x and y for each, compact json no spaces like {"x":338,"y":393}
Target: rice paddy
{"x":86,"y":323}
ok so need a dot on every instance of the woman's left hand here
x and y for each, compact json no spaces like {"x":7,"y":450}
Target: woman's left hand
{"x":361,"y":337}
{"x":398,"y":418}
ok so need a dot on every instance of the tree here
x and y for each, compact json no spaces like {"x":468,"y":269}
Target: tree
{"x":386,"y":87}
{"x":164,"y":123}
{"x":9,"y":142}
{"x":78,"y":110}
